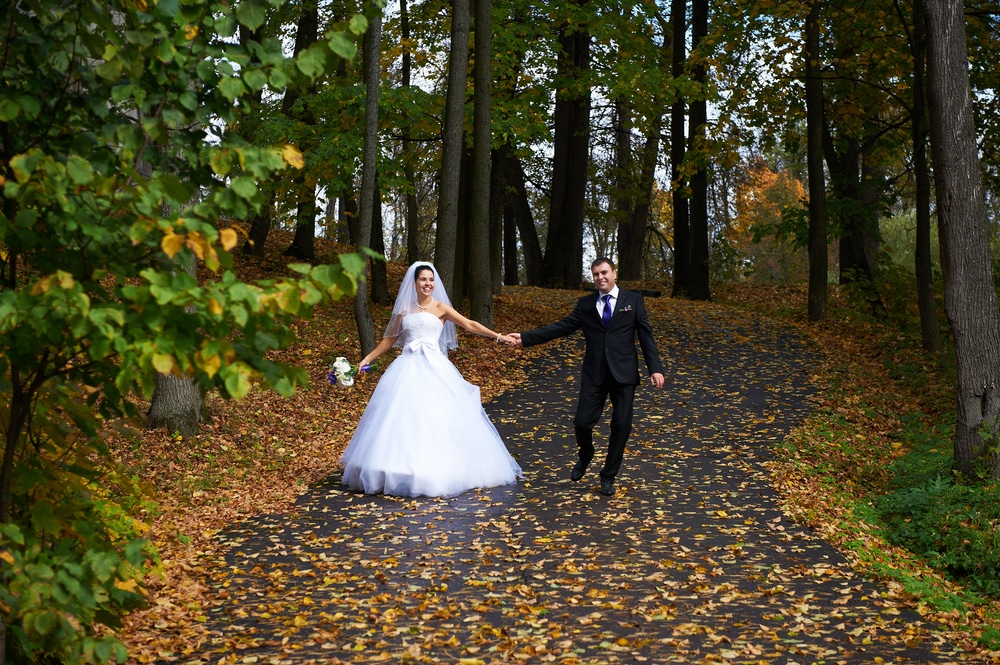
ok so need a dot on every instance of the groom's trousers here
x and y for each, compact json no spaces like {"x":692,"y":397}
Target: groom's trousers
{"x":588,"y":412}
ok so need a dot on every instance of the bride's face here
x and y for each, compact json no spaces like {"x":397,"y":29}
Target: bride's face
{"x":425,"y":283}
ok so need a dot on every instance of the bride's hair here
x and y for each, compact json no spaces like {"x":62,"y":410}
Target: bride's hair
{"x":406,"y":303}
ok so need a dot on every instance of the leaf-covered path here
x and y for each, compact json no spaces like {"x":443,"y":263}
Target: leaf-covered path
{"x":691,"y":561}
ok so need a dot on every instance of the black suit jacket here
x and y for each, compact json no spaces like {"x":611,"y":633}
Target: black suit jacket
{"x":611,"y":351}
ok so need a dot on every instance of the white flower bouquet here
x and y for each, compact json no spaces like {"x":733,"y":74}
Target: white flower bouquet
{"x":342,"y":373}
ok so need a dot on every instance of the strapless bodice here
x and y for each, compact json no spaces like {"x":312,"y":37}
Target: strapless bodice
{"x":420,"y":329}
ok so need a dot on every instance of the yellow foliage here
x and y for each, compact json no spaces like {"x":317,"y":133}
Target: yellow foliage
{"x":228,"y":237}
{"x":293,"y":157}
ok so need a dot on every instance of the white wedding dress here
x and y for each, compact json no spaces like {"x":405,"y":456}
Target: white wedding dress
{"x":424,"y":432}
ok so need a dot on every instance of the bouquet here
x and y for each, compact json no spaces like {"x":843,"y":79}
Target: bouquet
{"x":343,"y":373}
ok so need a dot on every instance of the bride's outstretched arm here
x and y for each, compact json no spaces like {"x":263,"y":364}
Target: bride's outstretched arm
{"x":382,"y":347}
{"x":451,"y":314}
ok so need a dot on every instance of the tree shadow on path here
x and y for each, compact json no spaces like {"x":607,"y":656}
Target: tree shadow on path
{"x":691,"y":561}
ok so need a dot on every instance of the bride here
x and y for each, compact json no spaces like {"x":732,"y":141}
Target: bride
{"x":424,"y":431}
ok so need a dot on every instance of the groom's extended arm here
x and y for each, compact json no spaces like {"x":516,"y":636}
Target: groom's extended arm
{"x":560,"y":328}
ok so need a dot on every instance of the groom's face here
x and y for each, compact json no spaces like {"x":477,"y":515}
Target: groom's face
{"x":604,"y":277}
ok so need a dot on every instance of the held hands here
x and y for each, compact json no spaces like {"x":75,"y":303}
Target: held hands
{"x":514,"y":339}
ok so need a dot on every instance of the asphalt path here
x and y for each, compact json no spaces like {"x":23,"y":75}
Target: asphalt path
{"x":692,"y":560}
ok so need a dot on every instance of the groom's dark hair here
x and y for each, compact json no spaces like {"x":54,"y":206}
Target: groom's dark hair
{"x":602,"y":259}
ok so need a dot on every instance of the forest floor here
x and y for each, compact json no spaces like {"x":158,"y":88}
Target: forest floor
{"x":717,"y":547}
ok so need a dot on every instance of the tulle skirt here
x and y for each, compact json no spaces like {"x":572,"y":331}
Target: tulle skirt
{"x":425,"y":433}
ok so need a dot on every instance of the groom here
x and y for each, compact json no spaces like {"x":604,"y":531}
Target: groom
{"x":610,"y":319}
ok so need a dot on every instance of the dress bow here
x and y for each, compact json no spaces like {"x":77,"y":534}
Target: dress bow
{"x":416,"y":345}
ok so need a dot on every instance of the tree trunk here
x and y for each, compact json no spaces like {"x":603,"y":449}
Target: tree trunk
{"x":699,"y":287}
{"x":446,"y":238}
{"x":463,"y":231}
{"x":260,"y":225}
{"x":497,"y":186}
{"x":349,"y":217}
{"x":570,"y":159}
{"x":624,"y":190}
{"x":518,"y":209}
{"x":817,"y":180}
{"x":678,"y":150}
{"x":930,"y":331}
{"x":304,"y":243}
{"x":260,"y":222}
{"x":963,"y":226}
{"x":176,"y":405}
{"x":412,"y":214}
{"x":851,"y":179}
{"x":371,"y":51}
{"x":380,"y":280}
{"x":481,"y":280}
{"x":632,"y":233}
{"x":511,"y":270}
{"x":19,"y":411}
{"x":177,"y":401}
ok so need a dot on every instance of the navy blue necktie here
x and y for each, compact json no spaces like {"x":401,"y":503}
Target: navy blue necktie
{"x":606,"y":314}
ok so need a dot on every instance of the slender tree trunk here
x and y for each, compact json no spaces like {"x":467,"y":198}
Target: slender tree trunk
{"x":481,"y":287}
{"x":304,"y":242}
{"x":632,"y":233}
{"x":349,"y":217}
{"x":624,"y":190}
{"x":678,"y":150}
{"x":817,"y":180}
{"x":699,"y":287}
{"x":963,"y":225}
{"x":510,"y":264}
{"x":260,"y":222}
{"x":930,"y":331}
{"x":380,"y":280}
{"x":518,"y":209}
{"x":303,"y":245}
{"x":19,"y":413}
{"x":497,"y":186}
{"x":463,"y":235}
{"x":371,"y":50}
{"x":850,"y":180}
{"x":260,"y":225}
{"x":412,"y":214}
{"x":570,"y":159}
{"x":446,"y":239}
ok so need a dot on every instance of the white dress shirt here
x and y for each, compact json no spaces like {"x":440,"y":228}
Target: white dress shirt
{"x":611,"y":303}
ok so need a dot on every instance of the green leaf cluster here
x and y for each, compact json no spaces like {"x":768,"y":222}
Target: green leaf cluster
{"x":118,"y":164}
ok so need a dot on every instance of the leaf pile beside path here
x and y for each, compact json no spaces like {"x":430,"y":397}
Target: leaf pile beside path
{"x":693,"y":560}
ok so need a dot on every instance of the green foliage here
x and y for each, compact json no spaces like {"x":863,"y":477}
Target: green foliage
{"x":119,"y":160}
{"x":951,"y":526}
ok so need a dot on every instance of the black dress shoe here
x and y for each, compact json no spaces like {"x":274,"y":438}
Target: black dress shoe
{"x":578,"y":471}
{"x":607,"y":486}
